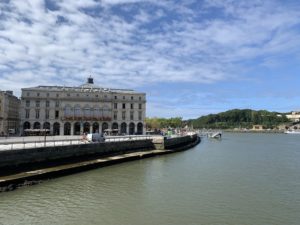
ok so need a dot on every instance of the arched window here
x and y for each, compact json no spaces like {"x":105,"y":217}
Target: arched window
{"x":26,"y":125}
{"x":56,"y":128}
{"x":123,"y":128}
{"x":104,"y":127}
{"x":87,"y":111}
{"x":77,"y":111}
{"x":131,"y":128}
{"x":95,"y":127}
{"x":86,"y":127}
{"x":68,"y":111}
{"x":77,"y":128}
{"x":46,"y":125}
{"x":36,"y":125}
{"x":67,"y":128}
{"x":140,"y":128}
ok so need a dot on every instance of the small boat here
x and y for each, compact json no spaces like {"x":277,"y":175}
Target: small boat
{"x":215,"y":134}
{"x":292,"y":132}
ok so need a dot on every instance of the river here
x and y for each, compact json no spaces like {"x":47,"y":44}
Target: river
{"x":244,"y":179}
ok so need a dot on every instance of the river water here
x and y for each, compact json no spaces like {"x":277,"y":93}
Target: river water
{"x":251,"y":179}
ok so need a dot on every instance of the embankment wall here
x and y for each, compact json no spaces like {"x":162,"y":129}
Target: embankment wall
{"x":35,"y":155}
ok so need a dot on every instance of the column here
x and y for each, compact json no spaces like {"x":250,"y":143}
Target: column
{"x":61,"y":129}
{"x":81,"y":128}
{"x":72,"y":128}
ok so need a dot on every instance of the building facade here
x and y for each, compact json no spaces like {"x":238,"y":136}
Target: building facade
{"x":9,"y":113}
{"x":84,"y":109}
{"x":294,"y":116}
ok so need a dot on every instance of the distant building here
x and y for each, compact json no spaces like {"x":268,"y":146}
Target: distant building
{"x":294,"y":116}
{"x":257,"y":127}
{"x":87,"y":108}
{"x":9,"y":113}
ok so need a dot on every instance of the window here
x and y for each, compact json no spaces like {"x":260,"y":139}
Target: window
{"x":123,"y":106}
{"x":140,"y":98}
{"x":47,"y":114}
{"x":77,"y":95}
{"x":131,"y":97}
{"x":57,"y":95}
{"x":140,"y":106}
{"x":37,"y":103}
{"x":124,"y":97}
{"x":115,"y":105}
{"x":37,"y":113}
{"x":48,"y":94}
{"x":28,"y":94}
{"x":27,"y":103}
{"x":27,"y":113}
{"x":56,"y":114}
{"x":140,"y":115}
{"x":57,"y":104}
{"x":47,"y":104}
{"x":97,"y":96}
{"x":131,"y":115}
{"x":131,"y":106}
{"x":123,"y":115}
{"x":115,"y":97}
{"x":105,"y":96}
{"x":115,"y":115}
{"x":68,"y":95}
{"x":38,"y":94}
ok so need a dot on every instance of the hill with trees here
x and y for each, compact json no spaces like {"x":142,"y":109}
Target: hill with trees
{"x":239,"y":118}
{"x":159,"y":123}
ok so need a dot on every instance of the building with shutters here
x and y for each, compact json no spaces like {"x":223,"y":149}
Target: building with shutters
{"x":87,"y":108}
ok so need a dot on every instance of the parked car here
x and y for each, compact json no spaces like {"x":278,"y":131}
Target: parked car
{"x":95,"y":137}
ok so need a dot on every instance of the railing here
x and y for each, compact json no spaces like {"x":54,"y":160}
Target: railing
{"x":52,"y":141}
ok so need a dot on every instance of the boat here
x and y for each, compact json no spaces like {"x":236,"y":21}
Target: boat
{"x":292,"y":132}
{"x":217,"y":134}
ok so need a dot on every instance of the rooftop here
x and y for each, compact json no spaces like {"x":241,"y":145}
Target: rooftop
{"x":89,"y":86}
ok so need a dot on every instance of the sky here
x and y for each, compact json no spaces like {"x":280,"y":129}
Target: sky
{"x":191,"y":57}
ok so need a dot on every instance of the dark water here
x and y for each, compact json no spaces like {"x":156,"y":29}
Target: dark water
{"x":248,"y":179}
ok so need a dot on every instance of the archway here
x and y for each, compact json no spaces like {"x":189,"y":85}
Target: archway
{"x":36,"y":125}
{"x":46,"y":125}
{"x":77,"y":128}
{"x":56,"y":129}
{"x":95,"y":127}
{"x":67,"y":128}
{"x":104,"y":127}
{"x":26,"y":125}
{"x":123,"y":128}
{"x":140,"y":128}
{"x":86,"y":127}
{"x":131,"y":128}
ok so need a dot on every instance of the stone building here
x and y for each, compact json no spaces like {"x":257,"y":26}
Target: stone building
{"x":9,"y":113}
{"x":87,"y":108}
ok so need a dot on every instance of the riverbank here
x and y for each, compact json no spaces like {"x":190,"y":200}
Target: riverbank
{"x":51,"y":162}
{"x":254,"y":131}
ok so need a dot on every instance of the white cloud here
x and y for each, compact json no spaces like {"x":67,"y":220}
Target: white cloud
{"x":147,"y":42}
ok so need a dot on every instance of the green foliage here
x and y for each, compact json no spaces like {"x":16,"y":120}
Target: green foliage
{"x":158,"y":123}
{"x":237,"y":118}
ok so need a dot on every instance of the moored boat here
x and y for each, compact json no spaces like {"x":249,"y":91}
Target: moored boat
{"x":292,"y":132}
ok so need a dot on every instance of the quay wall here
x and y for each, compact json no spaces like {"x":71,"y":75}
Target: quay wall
{"x":59,"y":155}
{"x":179,"y":141}
{"x":37,"y":155}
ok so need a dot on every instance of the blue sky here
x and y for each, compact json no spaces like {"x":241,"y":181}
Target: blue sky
{"x":191,"y":57}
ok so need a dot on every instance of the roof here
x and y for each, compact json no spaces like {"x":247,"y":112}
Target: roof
{"x":86,"y":87}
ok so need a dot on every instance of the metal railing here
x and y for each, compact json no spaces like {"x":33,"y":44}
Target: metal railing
{"x":52,"y":141}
